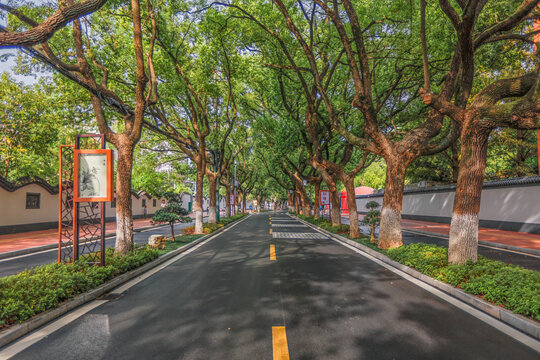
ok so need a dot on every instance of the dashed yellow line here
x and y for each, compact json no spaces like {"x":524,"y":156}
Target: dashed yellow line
{"x":270,"y":231}
{"x":272,"y":252}
{"x":279,"y":343}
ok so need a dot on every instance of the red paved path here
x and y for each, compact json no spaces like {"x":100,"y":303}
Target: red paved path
{"x":18,"y":241}
{"x":11,"y":242}
{"x":514,"y":238}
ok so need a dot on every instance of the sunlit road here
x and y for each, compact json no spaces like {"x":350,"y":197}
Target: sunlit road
{"x":274,"y":289}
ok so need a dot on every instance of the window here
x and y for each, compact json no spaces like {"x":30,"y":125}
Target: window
{"x":144,"y":202}
{"x":113,"y":203}
{"x":32,"y":200}
{"x":154,"y":203}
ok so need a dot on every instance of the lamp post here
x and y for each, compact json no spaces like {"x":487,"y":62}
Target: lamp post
{"x":215,"y":154}
{"x":235,"y":185}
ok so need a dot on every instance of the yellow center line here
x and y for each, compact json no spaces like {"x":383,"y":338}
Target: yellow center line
{"x":272,"y":252}
{"x":279,"y":343}
{"x":270,"y":231}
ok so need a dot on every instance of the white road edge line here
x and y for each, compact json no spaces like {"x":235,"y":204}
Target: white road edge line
{"x":506,"y":329}
{"x":34,"y":337}
{"x":37,"y":335}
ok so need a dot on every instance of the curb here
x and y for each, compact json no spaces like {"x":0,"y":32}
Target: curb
{"x":34,"y":249}
{"x":482,"y":242}
{"x":518,"y":322}
{"x":16,"y":331}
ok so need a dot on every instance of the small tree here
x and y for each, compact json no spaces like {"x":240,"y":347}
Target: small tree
{"x":162,"y":215}
{"x":373,"y":218}
{"x":171,"y":213}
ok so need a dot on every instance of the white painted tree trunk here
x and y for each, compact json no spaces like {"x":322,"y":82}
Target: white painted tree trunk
{"x":463,"y":242}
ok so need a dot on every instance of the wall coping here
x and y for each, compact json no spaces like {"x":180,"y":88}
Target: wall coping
{"x":491,"y":184}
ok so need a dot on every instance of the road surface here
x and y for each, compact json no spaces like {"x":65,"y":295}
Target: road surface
{"x":249,"y":294}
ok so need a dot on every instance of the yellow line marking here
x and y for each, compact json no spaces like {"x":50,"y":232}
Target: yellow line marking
{"x":272,"y":252}
{"x":270,"y":223}
{"x":270,"y":231}
{"x":279,"y":343}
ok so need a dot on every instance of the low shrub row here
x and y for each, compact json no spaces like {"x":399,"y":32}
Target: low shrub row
{"x":210,"y":228}
{"x":510,"y":286}
{"x":45,"y":287}
{"x":326,"y":224}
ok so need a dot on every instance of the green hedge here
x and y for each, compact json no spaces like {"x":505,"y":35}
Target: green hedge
{"x":45,"y":287}
{"x":326,"y":224}
{"x":513,"y":287}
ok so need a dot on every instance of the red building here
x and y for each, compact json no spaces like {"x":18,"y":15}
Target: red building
{"x":361,"y":190}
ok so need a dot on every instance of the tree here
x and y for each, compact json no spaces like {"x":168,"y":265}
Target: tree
{"x":34,"y":121}
{"x":372,"y":218}
{"x":506,"y":101}
{"x":172,"y":212}
{"x":141,"y":87}
{"x":41,"y":33}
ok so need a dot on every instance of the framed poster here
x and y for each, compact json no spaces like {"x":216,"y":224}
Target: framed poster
{"x":94,"y":175}
{"x":324,"y":197}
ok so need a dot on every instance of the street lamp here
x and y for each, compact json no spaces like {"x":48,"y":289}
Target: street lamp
{"x":215,"y":154}
{"x":235,"y":185}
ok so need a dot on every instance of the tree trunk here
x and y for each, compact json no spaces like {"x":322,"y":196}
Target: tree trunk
{"x":336,"y":208}
{"x":172,"y":231}
{"x":455,"y":162}
{"x":290,"y":202}
{"x":124,"y":218}
{"x":390,"y":230}
{"x":372,"y":238}
{"x":317,"y":202}
{"x":244,"y":201}
{"x":212,"y":219}
{"x":354,"y":231}
{"x":304,"y":201}
{"x":228,"y":200}
{"x":463,"y":242}
{"x":199,"y":202}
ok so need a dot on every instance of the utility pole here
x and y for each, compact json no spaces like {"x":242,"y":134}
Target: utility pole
{"x":216,"y":160}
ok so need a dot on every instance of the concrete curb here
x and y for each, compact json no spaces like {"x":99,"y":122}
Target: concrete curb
{"x":481,"y":242}
{"x":16,"y":331}
{"x":519,"y":322}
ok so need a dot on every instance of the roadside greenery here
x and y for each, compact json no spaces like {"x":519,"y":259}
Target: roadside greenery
{"x":45,"y":287}
{"x":510,"y":286}
{"x":210,"y":228}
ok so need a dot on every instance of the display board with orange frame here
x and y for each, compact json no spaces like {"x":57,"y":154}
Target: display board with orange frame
{"x":93,"y":175}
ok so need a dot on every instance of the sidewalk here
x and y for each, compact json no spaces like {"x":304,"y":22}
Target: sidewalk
{"x":32,"y":239}
{"x":19,"y":241}
{"x":495,"y":236}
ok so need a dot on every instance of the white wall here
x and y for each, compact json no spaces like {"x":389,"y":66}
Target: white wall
{"x":519,"y":205}
{"x":13,"y":210}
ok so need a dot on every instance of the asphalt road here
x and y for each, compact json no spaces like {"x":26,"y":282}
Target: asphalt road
{"x":14,"y":265}
{"x":228,"y":300}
